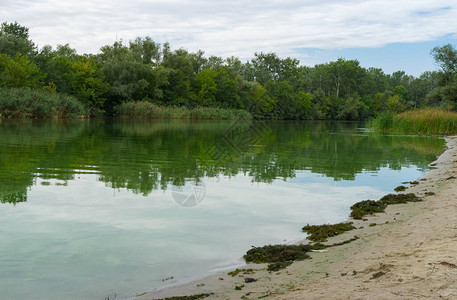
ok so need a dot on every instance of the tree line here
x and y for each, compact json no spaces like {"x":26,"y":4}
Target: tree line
{"x":267,"y":86}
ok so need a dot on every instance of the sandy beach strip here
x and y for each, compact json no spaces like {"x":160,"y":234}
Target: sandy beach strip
{"x":408,"y":252}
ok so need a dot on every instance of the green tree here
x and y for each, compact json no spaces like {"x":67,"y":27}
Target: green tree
{"x":287,"y":106}
{"x":352,"y":109}
{"x":379,"y":104}
{"x":181,"y":65}
{"x":147,"y":49}
{"x":205,"y":87}
{"x":420,"y":87}
{"x":347,"y":77}
{"x":228,"y":83}
{"x":73,"y":74}
{"x":446,"y":58}
{"x":56,"y":64}
{"x":446,"y":93}
{"x":14,"y":38}
{"x":378,"y":81}
{"x":214,"y":62}
{"x":304,"y":103}
{"x":396,"y":104}
{"x":255,"y":99}
{"x":320,"y":105}
{"x":88,"y":85}
{"x":128,"y":76}
{"x":399,"y":78}
{"x":269,"y":67}
{"x":19,"y":71}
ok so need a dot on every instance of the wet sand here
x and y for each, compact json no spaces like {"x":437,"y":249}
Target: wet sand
{"x":411,"y":253}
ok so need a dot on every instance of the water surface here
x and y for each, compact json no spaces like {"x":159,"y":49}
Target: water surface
{"x":96,"y":208}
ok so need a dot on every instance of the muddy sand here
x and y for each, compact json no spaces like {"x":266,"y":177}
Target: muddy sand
{"x":408,"y":252}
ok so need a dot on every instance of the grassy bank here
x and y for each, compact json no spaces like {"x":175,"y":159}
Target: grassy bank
{"x":29,"y":103}
{"x":152,"y":111}
{"x":419,"y":121}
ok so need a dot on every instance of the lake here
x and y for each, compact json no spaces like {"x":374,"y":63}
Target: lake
{"x":96,"y":208}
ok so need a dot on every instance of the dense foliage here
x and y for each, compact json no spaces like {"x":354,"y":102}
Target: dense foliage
{"x":267,"y":86}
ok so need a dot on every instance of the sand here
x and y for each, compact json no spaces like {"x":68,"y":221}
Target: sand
{"x":411,"y":253}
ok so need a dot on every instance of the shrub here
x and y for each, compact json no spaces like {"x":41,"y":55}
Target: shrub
{"x":30,"y":103}
{"x":150,"y":110}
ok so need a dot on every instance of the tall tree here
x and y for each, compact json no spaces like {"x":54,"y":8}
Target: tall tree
{"x":14,"y":38}
{"x":127,"y":74}
{"x":446,"y":94}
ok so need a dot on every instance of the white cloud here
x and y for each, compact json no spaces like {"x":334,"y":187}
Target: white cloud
{"x":237,"y":27}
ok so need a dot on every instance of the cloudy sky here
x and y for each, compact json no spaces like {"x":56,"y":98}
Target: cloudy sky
{"x":391,"y":34}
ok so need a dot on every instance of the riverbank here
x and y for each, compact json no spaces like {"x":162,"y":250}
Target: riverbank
{"x":407,"y":252}
{"x":412,"y":257}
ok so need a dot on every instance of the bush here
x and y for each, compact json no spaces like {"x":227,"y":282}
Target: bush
{"x":150,"y":110}
{"x":30,"y":103}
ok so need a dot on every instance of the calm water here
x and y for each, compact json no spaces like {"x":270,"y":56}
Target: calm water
{"x":90,"y":209}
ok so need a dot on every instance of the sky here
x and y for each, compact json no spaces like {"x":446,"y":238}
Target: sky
{"x":388,"y":34}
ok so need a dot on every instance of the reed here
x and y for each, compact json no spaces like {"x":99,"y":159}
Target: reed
{"x":418,"y":121}
{"x":153,"y":111}
{"x":30,"y":103}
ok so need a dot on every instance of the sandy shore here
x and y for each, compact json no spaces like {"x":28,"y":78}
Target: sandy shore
{"x":411,"y":253}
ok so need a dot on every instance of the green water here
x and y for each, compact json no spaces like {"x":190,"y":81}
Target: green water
{"x":97,"y":208}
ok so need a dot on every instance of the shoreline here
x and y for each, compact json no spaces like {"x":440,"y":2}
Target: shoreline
{"x":383,"y":263}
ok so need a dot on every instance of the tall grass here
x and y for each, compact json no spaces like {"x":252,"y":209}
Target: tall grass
{"x":420,"y":121}
{"x":153,"y":111}
{"x":29,"y":103}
